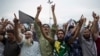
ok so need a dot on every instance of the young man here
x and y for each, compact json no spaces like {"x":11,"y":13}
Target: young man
{"x":45,"y":46}
{"x":75,"y":48}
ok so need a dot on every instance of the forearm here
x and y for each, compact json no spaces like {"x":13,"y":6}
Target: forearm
{"x":54,"y":18}
{"x":17,"y":35}
{"x":94,"y":29}
{"x":75,"y":34}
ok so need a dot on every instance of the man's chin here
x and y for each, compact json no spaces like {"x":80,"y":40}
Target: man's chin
{"x":28,"y":42}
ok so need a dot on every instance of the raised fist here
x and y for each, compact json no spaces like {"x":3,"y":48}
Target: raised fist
{"x":39,"y":8}
{"x":94,"y":15}
{"x":53,"y":7}
{"x":15,"y":19}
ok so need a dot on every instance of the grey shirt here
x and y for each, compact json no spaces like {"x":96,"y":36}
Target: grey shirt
{"x":88,"y":46}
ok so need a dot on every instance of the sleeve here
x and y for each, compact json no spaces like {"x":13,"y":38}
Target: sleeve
{"x":37,"y":30}
{"x":53,"y":30}
{"x":22,"y":41}
{"x":67,"y":36}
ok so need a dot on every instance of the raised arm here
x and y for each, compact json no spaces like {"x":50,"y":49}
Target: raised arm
{"x":2,"y":29}
{"x":17,"y":35}
{"x":54,"y":16}
{"x":65,"y":25}
{"x":94,"y":28}
{"x":39,"y":8}
{"x":77,"y":30}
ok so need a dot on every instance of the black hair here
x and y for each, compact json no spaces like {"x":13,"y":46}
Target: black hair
{"x":10,"y":31}
{"x":70,"y":27}
{"x":60,"y":30}
{"x":46,"y":25}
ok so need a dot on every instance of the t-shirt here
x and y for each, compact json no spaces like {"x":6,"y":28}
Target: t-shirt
{"x":10,"y":48}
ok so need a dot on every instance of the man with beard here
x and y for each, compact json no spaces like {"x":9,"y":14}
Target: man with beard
{"x":95,"y":30}
{"x":87,"y":39}
{"x":29,"y":46}
{"x":61,"y":47}
{"x":11,"y":47}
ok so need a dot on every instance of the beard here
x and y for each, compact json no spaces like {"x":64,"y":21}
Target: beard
{"x":28,"y":42}
{"x":60,"y":39}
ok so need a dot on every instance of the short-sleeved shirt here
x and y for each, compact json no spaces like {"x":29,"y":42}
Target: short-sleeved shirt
{"x":10,"y":48}
{"x":75,"y":48}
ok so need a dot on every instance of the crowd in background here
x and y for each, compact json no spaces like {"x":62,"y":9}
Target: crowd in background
{"x":75,"y":38}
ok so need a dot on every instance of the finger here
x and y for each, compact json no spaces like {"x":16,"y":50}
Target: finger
{"x":15,"y":16}
{"x":40,"y":6}
{"x":81,"y":16}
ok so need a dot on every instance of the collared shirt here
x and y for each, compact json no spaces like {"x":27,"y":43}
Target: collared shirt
{"x":88,"y":46}
{"x":30,"y":50}
{"x":45,"y":46}
{"x":75,"y":48}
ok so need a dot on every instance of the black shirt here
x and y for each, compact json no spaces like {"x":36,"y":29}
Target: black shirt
{"x":11,"y":48}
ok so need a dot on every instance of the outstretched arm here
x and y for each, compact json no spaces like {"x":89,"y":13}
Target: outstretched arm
{"x":39,"y":8}
{"x":94,"y":28}
{"x":54,"y":16}
{"x":17,"y":36}
{"x":2,"y":29}
{"x":77,"y":30}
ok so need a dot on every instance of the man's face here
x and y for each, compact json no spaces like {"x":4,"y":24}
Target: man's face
{"x":28,"y":35}
{"x":46,"y":28}
{"x":60,"y":35}
{"x":86,"y":33}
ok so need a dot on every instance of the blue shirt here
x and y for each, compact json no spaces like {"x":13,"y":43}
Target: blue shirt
{"x":75,"y":48}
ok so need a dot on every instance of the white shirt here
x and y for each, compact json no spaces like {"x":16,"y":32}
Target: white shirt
{"x":30,"y":50}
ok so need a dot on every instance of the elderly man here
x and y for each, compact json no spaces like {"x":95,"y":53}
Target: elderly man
{"x":29,"y":47}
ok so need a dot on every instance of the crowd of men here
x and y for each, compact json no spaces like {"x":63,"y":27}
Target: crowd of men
{"x":76,"y":39}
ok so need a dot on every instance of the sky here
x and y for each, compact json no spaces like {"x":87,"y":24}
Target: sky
{"x":64,"y":9}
